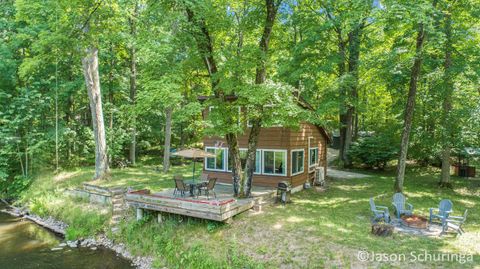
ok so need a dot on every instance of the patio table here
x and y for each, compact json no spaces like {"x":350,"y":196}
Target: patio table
{"x":193,"y":184}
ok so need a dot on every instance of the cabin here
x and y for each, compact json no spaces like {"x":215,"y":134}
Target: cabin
{"x":283,"y":154}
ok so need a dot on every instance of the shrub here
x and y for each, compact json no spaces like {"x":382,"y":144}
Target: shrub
{"x":374,"y":151}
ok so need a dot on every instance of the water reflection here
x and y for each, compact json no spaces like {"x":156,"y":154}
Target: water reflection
{"x":26,"y":245}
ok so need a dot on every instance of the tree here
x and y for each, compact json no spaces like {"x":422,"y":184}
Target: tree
{"x":410,"y":105}
{"x":260,"y":78}
{"x":241,"y":182}
{"x":133,"y":79}
{"x":447,"y":102}
{"x":92,"y":82}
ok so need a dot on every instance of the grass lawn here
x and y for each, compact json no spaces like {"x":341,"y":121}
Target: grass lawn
{"x":317,"y":230}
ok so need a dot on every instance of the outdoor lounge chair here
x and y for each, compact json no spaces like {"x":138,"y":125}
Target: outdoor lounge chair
{"x":379,"y":212}
{"x":399,"y":202}
{"x":444,"y":209}
{"x":180,"y":187}
{"x":210,"y":187}
{"x":455,"y":223}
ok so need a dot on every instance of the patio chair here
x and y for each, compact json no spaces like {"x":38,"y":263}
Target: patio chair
{"x":204,"y":177}
{"x":203,"y":182}
{"x":455,"y":223}
{"x":379,"y":212}
{"x":210,"y":187}
{"x":399,"y":202}
{"x":444,"y":209}
{"x":180,"y":187}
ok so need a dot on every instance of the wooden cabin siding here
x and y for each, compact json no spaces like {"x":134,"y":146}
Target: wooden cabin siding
{"x":299,"y":139}
{"x":277,"y":138}
{"x":269,"y":138}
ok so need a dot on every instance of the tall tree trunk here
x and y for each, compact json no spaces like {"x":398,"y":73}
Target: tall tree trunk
{"x":251,"y":156}
{"x":260,"y":78}
{"x":349,"y":95}
{"x":354,"y":41}
{"x":68,"y":118}
{"x":343,"y":109}
{"x":133,"y":84}
{"x":205,"y":47}
{"x":447,"y":104}
{"x":234,"y":159}
{"x":92,"y":82}
{"x":168,"y":137}
{"x":409,"y":109}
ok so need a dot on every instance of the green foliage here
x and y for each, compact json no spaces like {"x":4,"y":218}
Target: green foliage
{"x":374,"y":151}
{"x":15,"y":187}
{"x":168,"y":241}
{"x":83,"y":219}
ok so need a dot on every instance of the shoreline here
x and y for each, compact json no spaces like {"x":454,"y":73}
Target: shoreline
{"x":59,"y":227}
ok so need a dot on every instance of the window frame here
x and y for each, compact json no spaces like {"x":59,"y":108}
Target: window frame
{"x":286,"y":162}
{"x":255,"y":172}
{"x":225,"y":159}
{"x":291,"y":162}
{"x":310,"y":165}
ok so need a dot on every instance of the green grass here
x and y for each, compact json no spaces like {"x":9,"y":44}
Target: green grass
{"x":317,"y":230}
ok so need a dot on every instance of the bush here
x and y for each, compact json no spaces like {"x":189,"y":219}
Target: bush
{"x":374,"y":151}
{"x":14,"y":187}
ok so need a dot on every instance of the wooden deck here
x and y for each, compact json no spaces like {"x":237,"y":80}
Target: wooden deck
{"x":223,"y":208}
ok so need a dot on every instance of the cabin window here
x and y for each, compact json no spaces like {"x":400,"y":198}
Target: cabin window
{"x":297,"y":161}
{"x":313,"y":154}
{"x":243,"y":159}
{"x":274,"y":162}
{"x":217,"y":163}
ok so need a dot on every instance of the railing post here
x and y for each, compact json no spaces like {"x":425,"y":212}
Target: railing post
{"x":139,"y":213}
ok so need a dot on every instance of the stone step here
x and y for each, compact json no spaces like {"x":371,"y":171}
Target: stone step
{"x":117,"y":218}
{"x":118,"y":191}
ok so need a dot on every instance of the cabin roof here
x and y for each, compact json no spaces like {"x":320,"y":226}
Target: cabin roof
{"x":300,"y":101}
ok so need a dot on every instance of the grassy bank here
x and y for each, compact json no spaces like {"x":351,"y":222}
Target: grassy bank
{"x":317,"y":230}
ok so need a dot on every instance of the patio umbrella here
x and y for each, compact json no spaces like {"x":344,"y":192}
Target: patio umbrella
{"x":194,"y":154}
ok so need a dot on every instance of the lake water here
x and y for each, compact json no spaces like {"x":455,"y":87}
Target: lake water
{"x":25,"y":245}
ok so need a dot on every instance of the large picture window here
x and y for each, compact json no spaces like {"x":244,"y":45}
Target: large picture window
{"x":297,"y":161}
{"x":313,"y":156}
{"x":217,"y":163}
{"x":274,"y":162}
{"x":243,"y":159}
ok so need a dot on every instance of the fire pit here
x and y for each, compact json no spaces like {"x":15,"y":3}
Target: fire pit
{"x":415,"y":221}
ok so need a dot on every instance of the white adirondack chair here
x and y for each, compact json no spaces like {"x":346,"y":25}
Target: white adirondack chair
{"x":379,"y":212}
{"x":399,"y":202}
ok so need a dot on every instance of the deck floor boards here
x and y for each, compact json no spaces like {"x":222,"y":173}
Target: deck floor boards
{"x":221,"y":208}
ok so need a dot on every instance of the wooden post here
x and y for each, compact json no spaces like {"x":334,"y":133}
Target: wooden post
{"x":159,"y":218}
{"x":139,"y":214}
{"x":228,"y":220}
